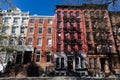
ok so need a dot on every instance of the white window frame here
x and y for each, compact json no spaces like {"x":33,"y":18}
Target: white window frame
{"x":31,"y":41}
{"x":39,"y":28}
{"x":40,"y":41}
{"x":49,"y":44}
{"x":38,"y":55}
{"x":30,"y":31}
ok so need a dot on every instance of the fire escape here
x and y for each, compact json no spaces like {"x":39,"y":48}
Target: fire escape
{"x":74,"y":32}
{"x":101,"y":33}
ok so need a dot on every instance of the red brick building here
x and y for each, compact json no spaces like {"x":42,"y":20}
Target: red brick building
{"x":101,"y":48}
{"x":70,"y":47}
{"x":40,"y":35}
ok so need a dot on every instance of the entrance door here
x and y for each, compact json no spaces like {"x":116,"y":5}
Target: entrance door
{"x":70,"y":63}
{"x":19,"y":58}
{"x":102,"y":61}
{"x":27,"y":57}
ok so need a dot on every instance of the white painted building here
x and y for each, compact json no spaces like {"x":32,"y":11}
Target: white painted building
{"x":15,"y":25}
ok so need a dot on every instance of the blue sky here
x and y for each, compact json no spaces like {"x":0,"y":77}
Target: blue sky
{"x":40,"y":7}
{"x":47,"y":7}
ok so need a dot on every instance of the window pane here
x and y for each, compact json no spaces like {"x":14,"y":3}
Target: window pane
{"x":31,"y":30}
{"x":62,"y":63}
{"x":58,"y":25}
{"x":22,"y":30}
{"x":37,"y":58}
{"x":57,"y":63}
{"x":49,"y":41}
{"x":13,"y":30}
{"x":29,"y":41}
{"x":6,"y":20}
{"x":32,"y":20}
{"x":11,"y":42}
{"x":39,"y":41}
{"x":24,"y":20}
{"x":49,"y":21}
{"x":48,"y":56}
{"x":40,"y":30}
{"x":15,"y":20}
{"x":41,"y":21}
{"x":3,"y":29}
{"x":20,"y":42}
{"x":49,"y":30}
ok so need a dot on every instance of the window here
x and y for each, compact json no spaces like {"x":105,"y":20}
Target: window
{"x":98,"y":14}
{"x":71,"y":14}
{"x":49,"y":30}
{"x":90,"y":62}
{"x":110,"y":48}
{"x":11,"y":42}
{"x":49,"y":21}
{"x":93,"y":25}
{"x":58,"y":14}
{"x":4,"y":29}
{"x":88,"y":35}
{"x":78,"y":26}
{"x":95,"y":63}
{"x":57,"y":62}
{"x":65,"y":24}
{"x":49,"y":41}
{"x":48,"y":56}
{"x":65,"y":13}
{"x":31,"y":29}
{"x":90,"y":47}
{"x":39,"y":41}
{"x":40,"y":30}
{"x":77,"y":15}
{"x":104,"y":48}
{"x":37,"y":56}
{"x":22,"y":30}
{"x":24,"y":20}
{"x":103,"y":14}
{"x":87,"y":24}
{"x":29,"y":41}
{"x":6,"y":20}
{"x":80,"y":47}
{"x":91,"y":13}
{"x":86,"y":14}
{"x":15,"y":20}
{"x":77,"y":62}
{"x":58,"y":47}
{"x":32,"y":20}
{"x":13,"y":29}
{"x":19,"y":42}
{"x":41,"y":21}
{"x":62,"y":63}
{"x":58,"y":25}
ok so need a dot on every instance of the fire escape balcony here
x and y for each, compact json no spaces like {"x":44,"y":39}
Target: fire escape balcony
{"x":65,"y":18}
{"x":72,"y":30}
{"x":78,"y":30}
{"x":72,"y":19}
{"x":77,"y":19}
{"x":59,"y":18}
{"x":97,"y":39}
{"x":66,"y":50}
{"x":79,"y":41}
{"x":59,"y":30}
{"x":66,"y":40}
{"x":59,"y":42}
{"x":66,"y":29}
{"x":73,"y":49}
